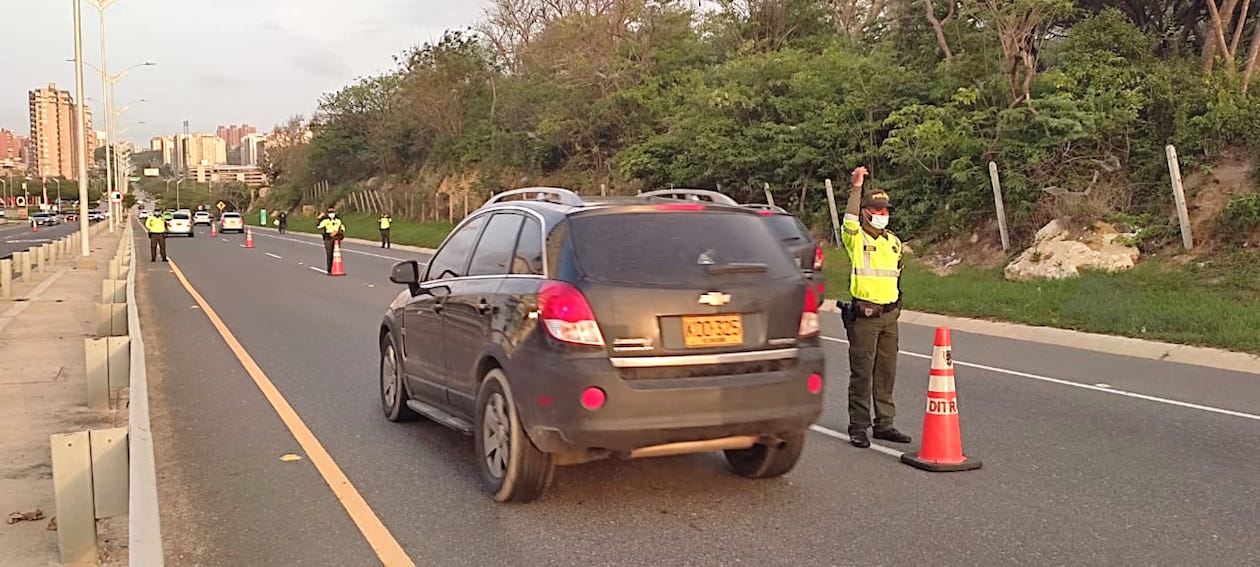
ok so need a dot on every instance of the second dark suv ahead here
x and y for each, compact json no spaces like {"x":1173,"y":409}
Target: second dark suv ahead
{"x":563,"y":330}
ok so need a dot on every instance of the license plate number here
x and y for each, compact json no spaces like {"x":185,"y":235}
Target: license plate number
{"x":712,"y":330}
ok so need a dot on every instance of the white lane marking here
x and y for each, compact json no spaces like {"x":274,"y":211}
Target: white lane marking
{"x":320,"y":270}
{"x":274,"y":256}
{"x":241,"y":245}
{"x":1103,"y":385}
{"x":225,"y":240}
{"x":347,"y":250}
{"x":1062,"y":382}
{"x":844,"y":437}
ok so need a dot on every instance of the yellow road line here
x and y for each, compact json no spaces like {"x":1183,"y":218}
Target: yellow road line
{"x":383,"y":543}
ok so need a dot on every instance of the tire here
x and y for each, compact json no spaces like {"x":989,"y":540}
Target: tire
{"x":393,"y":392}
{"x":763,"y":461}
{"x":524,"y":473}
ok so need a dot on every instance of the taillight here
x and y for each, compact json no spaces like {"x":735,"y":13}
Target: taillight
{"x":567,"y":316}
{"x":818,"y":258}
{"x":765,"y":213}
{"x":809,"y":315}
{"x":680,"y":207}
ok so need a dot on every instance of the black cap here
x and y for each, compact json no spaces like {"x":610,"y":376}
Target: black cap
{"x":876,"y":200}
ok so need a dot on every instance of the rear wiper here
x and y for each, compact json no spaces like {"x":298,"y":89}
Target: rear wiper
{"x":736,"y":268}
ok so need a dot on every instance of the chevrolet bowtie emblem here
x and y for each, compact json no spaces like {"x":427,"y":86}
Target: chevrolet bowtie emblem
{"x":715,"y":298}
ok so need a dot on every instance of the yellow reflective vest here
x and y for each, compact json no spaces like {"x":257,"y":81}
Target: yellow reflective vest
{"x":385,"y":223}
{"x":155,"y":224}
{"x":876,"y":262}
{"x":331,"y":226}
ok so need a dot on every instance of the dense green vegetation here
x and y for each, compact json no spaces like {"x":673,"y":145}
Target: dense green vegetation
{"x":1077,"y":97}
{"x":364,"y":226}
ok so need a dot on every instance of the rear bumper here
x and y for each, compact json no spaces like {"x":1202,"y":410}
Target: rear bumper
{"x":648,"y":412}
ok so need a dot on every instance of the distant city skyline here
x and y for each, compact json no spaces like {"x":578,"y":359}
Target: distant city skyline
{"x":265,"y":61}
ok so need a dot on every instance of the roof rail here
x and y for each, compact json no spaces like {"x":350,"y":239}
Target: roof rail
{"x":766,"y":207}
{"x":692,"y":195}
{"x":552,"y":194}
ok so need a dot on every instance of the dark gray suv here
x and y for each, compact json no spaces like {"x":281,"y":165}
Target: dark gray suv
{"x":557,"y":329}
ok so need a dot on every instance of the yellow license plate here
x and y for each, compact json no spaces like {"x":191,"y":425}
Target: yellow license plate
{"x":713,"y":330}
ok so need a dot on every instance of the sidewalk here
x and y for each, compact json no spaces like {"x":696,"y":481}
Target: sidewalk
{"x":42,"y":392}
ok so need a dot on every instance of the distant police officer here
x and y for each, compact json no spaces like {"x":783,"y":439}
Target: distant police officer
{"x":282,"y":221}
{"x":332,"y":230}
{"x":156,"y":227}
{"x":871,"y":317}
{"x":385,"y":220}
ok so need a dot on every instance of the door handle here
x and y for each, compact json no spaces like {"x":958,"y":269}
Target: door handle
{"x":483,"y":307}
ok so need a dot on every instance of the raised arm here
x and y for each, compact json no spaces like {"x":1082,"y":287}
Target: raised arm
{"x":854,"y":206}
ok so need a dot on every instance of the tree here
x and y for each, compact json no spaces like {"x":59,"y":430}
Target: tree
{"x":1021,"y":27}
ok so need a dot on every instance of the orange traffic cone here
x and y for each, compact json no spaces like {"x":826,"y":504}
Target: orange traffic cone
{"x":34,"y":226}
{"x":942,"y":440}
{"x":249,"y":238}
{"x":214,"y":231}
{"x":337,"y":269}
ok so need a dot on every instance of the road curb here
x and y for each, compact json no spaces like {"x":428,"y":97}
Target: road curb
{"x":1096,"y":342}
{"x":144,"y":526}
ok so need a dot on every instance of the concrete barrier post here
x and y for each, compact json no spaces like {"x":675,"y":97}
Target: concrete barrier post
{"x":72,"y":487}
{"x":96,"y":357}
{"x":23,"y":265}
{"x":39,"y":259}
{"x":109,"y":471}
{"x":119,"y":361}
{"x":6,"y":278}
{"x":113,"y":291}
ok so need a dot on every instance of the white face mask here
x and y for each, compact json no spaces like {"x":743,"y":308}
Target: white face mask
{"x":879,"y":222}
{"x":334,"y":215}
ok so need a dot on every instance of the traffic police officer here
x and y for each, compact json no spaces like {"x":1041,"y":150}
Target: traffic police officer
{"x":332,"y":230}
{"x":871,"y":318}
{"x":385,"y":220}
{"x":156,"y":227}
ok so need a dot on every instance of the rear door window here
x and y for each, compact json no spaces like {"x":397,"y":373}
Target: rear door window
{"x":787,"y":228}
{"x":494,"y":250}
{"x":675,"y":248}
{"x":451,"y":259}
{"x":529,"y":257}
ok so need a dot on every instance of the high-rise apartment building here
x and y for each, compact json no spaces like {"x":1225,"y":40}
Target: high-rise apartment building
{"x":233,"y":135}
{"x":11,"y":145}
{"x":165,"y":145}
{"x":198,"y":149}
{"x":252,"y":148}
{"x":54,"y":142}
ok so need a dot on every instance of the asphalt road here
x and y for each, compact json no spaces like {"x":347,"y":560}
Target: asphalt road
{"x":1089,"y":459}
{"x":18,"y":237}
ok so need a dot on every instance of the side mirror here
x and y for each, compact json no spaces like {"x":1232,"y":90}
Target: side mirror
{"x":406,"y":273}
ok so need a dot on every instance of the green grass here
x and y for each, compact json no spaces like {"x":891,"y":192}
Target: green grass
{"x":364,"y":226}
{"x":1212,"y":303}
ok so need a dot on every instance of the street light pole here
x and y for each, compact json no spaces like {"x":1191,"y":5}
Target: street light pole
{"x":181,"y":180}
{"x":81,"y":115}
{"x":101,"y":5}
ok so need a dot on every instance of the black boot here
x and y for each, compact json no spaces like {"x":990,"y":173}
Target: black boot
{"x":891,"y":434}
{"x":858,"y":438}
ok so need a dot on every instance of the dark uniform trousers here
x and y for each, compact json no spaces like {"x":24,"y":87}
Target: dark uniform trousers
{"x":385,"y":238}
{"x":872,"y":369}
{"x":329,"y":243}
{"x":157,"y":240}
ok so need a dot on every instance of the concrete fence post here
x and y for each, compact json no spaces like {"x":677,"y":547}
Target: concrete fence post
{"x":72,"y":487}
{"x":119,"y":361}
{"x":835,"y":215}
{"x":96,"y":357}
{"x":6,"y":278}
{"x":39,"y":259}
{"x":1179,"y":196}
{"x":109,"y":471}
{"x":24,"y":261}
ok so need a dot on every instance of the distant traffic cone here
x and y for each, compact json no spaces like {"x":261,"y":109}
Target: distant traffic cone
{"x":942,"y":440}
{"x":214,"y":231}
{"x":337,"y":269}
{"x":34,"y":226}
{"x":249,"y":238}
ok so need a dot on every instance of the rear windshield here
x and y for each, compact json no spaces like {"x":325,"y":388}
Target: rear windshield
{"x":180,"y":216}
{"x":231,"y":216}
{"x":787,"y":229}
{"x":674,"y":247}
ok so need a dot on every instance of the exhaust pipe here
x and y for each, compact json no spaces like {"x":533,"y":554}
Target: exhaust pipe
{"x":707,"y":446}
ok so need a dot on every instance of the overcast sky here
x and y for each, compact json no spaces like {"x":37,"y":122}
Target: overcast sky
{"x":219,"y":62}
